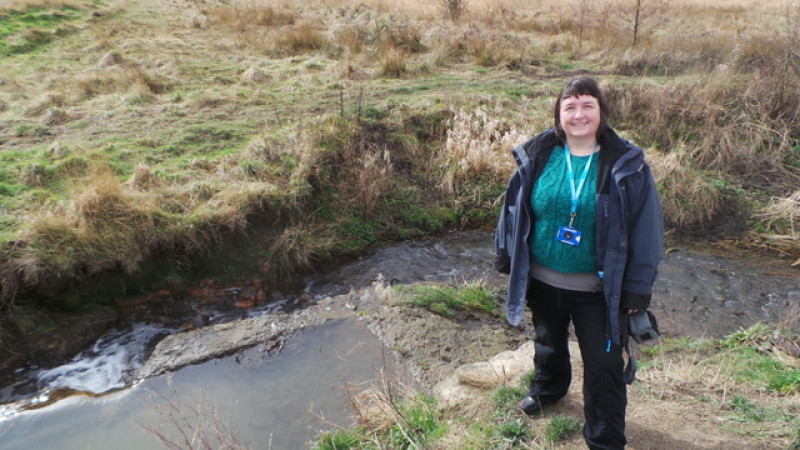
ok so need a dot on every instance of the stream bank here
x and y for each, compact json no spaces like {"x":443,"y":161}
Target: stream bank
{"x":698,"y":294}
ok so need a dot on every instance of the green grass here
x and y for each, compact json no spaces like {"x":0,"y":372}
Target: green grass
{"x":418,"y":425}
{"x":753,"y":360}
{"x":513,"y":433}
{"x":444,"y":300}
{"x":744,"y":410}
{"x":339,"y":440}
{"x":507,"y":398}
{"x":562,"y":427}
{"x":23,"y":31}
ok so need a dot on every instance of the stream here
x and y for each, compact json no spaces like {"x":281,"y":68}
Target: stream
{"x":279,"y":399}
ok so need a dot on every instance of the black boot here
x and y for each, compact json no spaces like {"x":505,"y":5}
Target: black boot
{"x":533,"y":404}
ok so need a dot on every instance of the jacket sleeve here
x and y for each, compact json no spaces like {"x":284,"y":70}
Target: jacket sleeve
{"x":504,"y":234}
{"x":645,"y":242}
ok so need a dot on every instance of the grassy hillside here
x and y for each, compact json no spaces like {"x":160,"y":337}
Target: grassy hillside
{"x":137,"y":136}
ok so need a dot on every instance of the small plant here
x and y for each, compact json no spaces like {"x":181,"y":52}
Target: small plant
{"x":786,"y":382}
{"x":506,"y":400}
{"x":744,"y":410}
{"x":755,"y":337}
{"x":386,"y":418}
{"x":633,"y":14}
{"x":515,"y":433}
{"x":562,"y":427}
{"x":418,"y":424}
{"x":338,"y":440}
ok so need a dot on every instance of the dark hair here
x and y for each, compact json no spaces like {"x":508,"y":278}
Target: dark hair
{"x":581,"y":85}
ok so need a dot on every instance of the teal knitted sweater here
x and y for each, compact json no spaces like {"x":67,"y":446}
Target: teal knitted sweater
{"x":550,"y":202}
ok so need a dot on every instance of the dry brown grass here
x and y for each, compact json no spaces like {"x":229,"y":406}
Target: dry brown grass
{"x":115,"y":79}
{"x":242,"y":15}
{"x":393,"y":63}
{"x":477,"y":148}
{"x":143,"y":178}
{"x":102,"y":227}
{"x":299,"y":246}
{"x":374,"y":180}
{"x":687,"y":195}
{"x":377,"y":408}
{"x":726,"y":125}
{"x":782,"y":215}
{"x":301,"y":38}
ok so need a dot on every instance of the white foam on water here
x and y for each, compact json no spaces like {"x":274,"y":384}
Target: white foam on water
{"x":107,"y":365}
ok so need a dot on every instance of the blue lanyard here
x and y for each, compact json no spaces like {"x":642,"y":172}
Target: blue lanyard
{"x":575,"y":193}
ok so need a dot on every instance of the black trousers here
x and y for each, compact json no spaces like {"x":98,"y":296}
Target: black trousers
{"x":604,"y":391}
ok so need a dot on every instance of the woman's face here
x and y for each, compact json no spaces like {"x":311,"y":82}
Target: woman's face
{"x":580,"y":116}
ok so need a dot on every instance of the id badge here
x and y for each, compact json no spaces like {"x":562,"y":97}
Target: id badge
{"x":569,"y":236}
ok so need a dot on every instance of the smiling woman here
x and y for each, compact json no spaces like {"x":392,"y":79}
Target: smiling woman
{"x":584,"y":185}
{"x":327,"y":153}
{"x":580,"y":119}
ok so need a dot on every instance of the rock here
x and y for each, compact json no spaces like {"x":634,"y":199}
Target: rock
{"x":198,"y":345}
{"x":468,"y":380}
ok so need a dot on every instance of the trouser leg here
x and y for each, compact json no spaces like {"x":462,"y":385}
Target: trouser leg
{"x":604,"y":391}
{"x":551,"y":357}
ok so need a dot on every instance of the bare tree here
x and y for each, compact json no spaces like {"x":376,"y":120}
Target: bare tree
{"x":635,"y":14}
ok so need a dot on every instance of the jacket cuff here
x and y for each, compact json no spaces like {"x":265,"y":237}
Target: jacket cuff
{"x":632,"y":300}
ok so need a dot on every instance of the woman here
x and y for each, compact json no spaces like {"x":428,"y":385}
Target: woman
{"x":580,"y":235}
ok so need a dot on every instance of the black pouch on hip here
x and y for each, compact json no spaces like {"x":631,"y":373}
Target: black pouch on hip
{"x":642,"y":326}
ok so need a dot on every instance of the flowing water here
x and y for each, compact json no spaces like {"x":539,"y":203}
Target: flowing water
{"x":274,"y":400}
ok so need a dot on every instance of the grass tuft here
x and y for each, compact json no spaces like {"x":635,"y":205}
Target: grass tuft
{"x":443,"y":300}
{"x":562,"y":427}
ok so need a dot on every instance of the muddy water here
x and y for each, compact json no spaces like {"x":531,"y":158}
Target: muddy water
{"x":265,"y":397}
{"x":260,"y":400}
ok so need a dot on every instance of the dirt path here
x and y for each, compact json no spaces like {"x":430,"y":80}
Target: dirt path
{"x":664,"y":411}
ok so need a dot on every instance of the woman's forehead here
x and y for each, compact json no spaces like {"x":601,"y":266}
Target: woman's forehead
{"x":578,"y":99}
